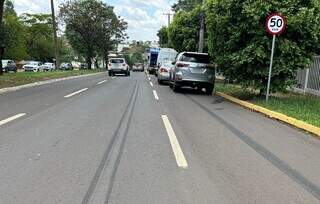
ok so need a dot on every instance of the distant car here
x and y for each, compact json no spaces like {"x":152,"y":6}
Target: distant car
{"x":193,"y":70}
{"x":118,"y":66}
{"x":83,"y":66}
{"x":49,"y":66}
{"x":163,"y":73}
{"x":33,"y":66}
{"x":66,"y":66}
{"x":9,"y":66}
{"x":138,"y":67}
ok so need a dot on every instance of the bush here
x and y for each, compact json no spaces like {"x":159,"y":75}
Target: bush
{"x":239,"y":44}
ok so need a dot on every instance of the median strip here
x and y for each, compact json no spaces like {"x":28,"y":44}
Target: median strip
{"x":2,"y":122}
{"x":75,"y":93}
{"x":177,"y":151}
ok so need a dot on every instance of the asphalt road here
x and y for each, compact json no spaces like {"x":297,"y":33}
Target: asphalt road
{"x":125,"y":140}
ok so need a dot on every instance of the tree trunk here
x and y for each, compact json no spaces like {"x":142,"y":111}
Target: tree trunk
{"x":106,"y":59}
{"x":89,"y":62}
{"x":1,"y":40}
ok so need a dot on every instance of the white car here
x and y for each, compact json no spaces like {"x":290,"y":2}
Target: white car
{"x":49,"y":66}
{"x":118,"y":66}
{"x":33,"y":66}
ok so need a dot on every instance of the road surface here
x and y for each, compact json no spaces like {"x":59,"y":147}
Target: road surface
{"x":123,"y":140}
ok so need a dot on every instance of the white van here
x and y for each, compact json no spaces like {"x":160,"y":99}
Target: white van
{"x":165,"y":55}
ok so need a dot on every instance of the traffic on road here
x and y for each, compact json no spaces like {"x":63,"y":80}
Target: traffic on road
{"x":160,"y":102}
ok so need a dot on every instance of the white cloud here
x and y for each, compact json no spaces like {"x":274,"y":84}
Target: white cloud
{"x":144,"y":17}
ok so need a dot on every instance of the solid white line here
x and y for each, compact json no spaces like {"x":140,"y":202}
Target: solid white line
{"x":155,"y":94}
{"x":180,"y":159}
{"x":101,"y":82}
{"x":77,"y":92}
{"x":151,"y":84}
{"x":2,"y":122}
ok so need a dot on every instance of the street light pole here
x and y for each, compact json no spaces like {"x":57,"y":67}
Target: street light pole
{"x":54,"y":26}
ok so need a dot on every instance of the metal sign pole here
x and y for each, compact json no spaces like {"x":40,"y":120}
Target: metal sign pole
{"x":270,"y":69}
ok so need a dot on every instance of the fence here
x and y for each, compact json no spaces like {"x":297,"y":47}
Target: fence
{"x":308,"y":80}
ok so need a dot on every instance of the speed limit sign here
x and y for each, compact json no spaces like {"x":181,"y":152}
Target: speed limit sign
{"x":276,"y":24}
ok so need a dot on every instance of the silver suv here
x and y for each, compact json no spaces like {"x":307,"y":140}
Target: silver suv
{"x":194,"y":70}
{"x":118,"y":66}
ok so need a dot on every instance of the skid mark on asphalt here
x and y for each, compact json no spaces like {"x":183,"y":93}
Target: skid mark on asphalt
{"x":104,"y":168}
{"x":273,"y":159}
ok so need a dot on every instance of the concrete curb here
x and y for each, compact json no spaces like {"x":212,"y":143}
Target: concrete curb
{"x":272,"y":114}
{"x":39,"y":83}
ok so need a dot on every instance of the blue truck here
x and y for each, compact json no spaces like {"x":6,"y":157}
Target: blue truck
{"x":153,"y":53}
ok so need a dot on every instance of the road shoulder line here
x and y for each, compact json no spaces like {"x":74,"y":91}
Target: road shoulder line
{"x":272,"y":114}
{"x":39,"y":83}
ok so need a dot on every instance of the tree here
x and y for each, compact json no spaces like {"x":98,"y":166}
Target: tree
{"x":15,"y":42}
{"x":91,"y":27}
{"x":241,"y":47}
{"x":186,"y":5}
{"x":163,"y":37}
{"x":39,"y":39}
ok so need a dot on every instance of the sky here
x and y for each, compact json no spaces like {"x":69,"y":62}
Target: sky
{"x":144,"y":17}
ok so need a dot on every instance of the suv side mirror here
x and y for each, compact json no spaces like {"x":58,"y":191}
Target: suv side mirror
{"x":173,"y":63}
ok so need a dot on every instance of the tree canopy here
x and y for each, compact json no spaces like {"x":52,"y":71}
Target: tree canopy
{"x":240,"y":45}
{"x":92,"y":27}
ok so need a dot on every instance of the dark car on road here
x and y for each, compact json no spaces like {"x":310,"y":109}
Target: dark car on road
{"x":9,"y":66}
{"x":194,"y":70}
{"x":138,"y":67}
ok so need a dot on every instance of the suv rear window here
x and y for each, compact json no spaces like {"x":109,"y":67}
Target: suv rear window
{"x":116,"y":61}
{"x":195,"y":58}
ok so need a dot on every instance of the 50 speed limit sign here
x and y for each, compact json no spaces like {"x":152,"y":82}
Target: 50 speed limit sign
{"x":276,"y":24}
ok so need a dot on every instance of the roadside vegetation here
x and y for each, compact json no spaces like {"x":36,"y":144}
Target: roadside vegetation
{"x":83,"y":37}
{"x":16,"y":79}
{"x":237,"y":41}
{"x":299,"y":106}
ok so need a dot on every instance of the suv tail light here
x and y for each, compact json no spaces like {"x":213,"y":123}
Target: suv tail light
{"x":182,"y":65}
{"x":163,"y":70}
{"x":109,"y":65}
{"x":124,"y":64}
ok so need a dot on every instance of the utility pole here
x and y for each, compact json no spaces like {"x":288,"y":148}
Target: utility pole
{"x":54,"y":26}
{"x":1,"y":38}
{"x":169,"y":17}
{"x":201,"y":32}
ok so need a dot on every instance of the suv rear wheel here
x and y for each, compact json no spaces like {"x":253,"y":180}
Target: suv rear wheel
{"x":209,"y":90}
{"x":175,"y":88}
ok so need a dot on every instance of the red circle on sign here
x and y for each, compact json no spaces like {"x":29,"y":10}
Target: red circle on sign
{"x":278,"y":30}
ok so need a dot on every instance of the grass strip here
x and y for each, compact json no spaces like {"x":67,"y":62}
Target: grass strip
{"x":302,"y":107}
{"x":21,"y":78}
